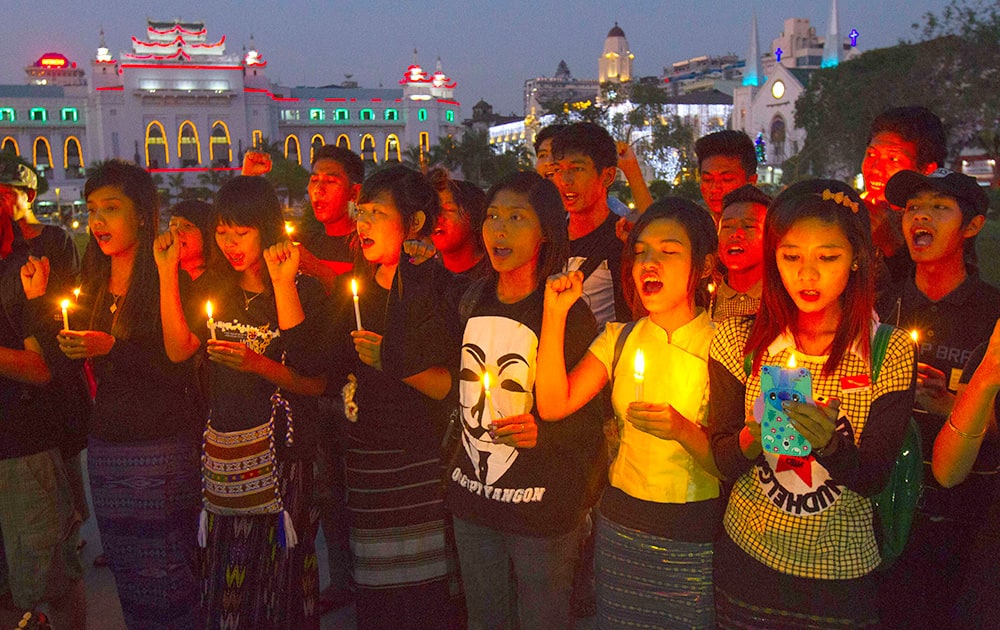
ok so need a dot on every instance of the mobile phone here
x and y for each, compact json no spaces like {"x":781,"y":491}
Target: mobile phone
{"x":777,"y":385}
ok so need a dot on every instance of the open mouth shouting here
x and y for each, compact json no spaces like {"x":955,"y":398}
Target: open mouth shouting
{"x":651,"y":283}
{"x":922,"y":237}
{"x":500,"y":252}
{"x":809,"y":295}
{"x":365,"y":241}
{"x":236,"y":259}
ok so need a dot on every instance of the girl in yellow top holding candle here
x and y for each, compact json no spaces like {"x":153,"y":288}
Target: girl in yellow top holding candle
{"x":661,"y":512}
{"x":799,"y":545}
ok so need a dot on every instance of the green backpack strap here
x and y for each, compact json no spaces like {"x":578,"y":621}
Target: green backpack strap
{"x":880,"y":344}
{"x":896,"y":504}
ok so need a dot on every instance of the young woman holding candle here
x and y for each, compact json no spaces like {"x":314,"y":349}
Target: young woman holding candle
{"x":518,"y":489}
{"x":143,"y":445}
{"x":662,"y":509}
{"x":400,"y":360}
{"x":799,"y":546}
{"x":268,"y":353}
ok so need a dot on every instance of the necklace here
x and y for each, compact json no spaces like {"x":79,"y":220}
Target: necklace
{"x":114,"y":303}
{"x":247,"y":300}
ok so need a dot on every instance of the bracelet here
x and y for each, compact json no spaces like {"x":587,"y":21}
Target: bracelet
{"x":963,"y":434}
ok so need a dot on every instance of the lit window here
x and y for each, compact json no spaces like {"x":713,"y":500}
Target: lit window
{"x":7,"y":114}
{"x":342,"y":114}
{"x":258,"y":138}
{"x":317,"y":114}
{"x":422,"y":114}
{"x":391,"y":114}
{"x":367,"y":114}
{"x":70,"y":114}
{"x":38,"y":114}
{"x":450,"y":115}
{"x":425,"y":141}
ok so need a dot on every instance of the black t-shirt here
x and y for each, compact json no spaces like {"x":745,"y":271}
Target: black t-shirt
{"x":538,"y":491}
{"x":64,"y":259}
{"x":240,"y":400}
{"x":949,"y":330}
{"x":27,"y":415}
{"x":141,"y":394}
{"x":411,"y":317}
{"x":337,"y":252}
{"x":602,"y":289}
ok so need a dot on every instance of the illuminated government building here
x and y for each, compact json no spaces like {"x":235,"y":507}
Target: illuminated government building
{"x":178,"y":102}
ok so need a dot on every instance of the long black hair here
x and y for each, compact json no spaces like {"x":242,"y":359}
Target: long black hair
{"x":833,"y":203}
{"x":544,"y":198}
{"x":247,"y":202}
{"x":139,"y":313}
{"x":700,"y":228}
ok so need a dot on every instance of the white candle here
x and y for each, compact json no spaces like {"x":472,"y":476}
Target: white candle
{"x":489,"y":396}
{"x":65,"y":314}
{"x":211,"y":322}
{"x":639,"y":373}
{"x":357,"y":308}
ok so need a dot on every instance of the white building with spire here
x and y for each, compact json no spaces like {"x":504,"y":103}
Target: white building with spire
{"x":615,"y":64}
{"x":764,"y":106}
{"x":179,"y":101}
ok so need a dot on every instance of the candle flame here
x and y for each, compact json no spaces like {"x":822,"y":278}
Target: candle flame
{"x":354,"y":287}
{"x":486,"y":383}
{"x":791,"y":361}
{"x":65,"y":304}
{"x":289,"y":228}
{"x":76,"y":293}
{"x":208,"y":308}
{"x":914,"y":335}
{"x":639,"y":365}
{"x":711,"y":287}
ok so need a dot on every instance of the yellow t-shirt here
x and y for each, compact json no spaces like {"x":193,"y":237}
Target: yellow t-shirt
{"x":647,"y":467}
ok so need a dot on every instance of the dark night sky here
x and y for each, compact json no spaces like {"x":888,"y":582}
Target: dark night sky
{"x":489,"y":48}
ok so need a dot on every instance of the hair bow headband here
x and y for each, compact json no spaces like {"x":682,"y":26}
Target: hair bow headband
{"x":841,"y":199}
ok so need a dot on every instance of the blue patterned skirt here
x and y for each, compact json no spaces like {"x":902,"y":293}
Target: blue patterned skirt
{"x":646,"y":581}
{"x":146,"y":499}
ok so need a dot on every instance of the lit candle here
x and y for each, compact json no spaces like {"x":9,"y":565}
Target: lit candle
{"x":489,"y":396}
{"x":289,"y":228}
{"x":915,"y":336}
{"x":357,"y":308}
{"x":211,"y":322}
{"x":65,"y":313}
{"x":711,"y":287}
{"x":639,"y":373}
{"x":792,"y":364}
{"x":76,"y":294}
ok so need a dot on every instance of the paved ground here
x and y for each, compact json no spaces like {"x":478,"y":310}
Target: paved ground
{"x":105,"y":613}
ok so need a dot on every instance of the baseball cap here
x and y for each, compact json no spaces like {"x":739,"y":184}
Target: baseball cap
{"x":16,"y":174}
{"x":966,"y":190}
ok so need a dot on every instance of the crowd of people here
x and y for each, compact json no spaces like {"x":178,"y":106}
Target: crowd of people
{"x":507,"y":408}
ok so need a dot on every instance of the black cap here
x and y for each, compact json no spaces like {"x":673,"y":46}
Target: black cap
{"x":966,"y":190}
{"x":13,"y":173}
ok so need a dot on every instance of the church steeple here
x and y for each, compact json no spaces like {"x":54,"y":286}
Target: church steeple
{"x":832,"y":44}
{"x":752,"y":74}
